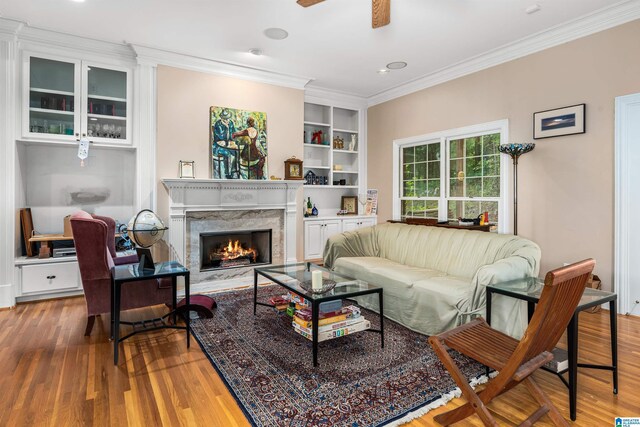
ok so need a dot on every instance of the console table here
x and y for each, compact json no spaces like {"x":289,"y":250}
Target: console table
{"x":449,"y":224}
{"x":529,"y":290}
{"x":122,"y":274}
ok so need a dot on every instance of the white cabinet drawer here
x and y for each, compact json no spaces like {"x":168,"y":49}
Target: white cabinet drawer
{"x":50,"y":277}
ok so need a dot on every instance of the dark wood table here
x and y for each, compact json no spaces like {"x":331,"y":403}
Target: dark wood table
{"x":448,"y":224}
{"x":122,"y":274}
{"x":529,"y":290}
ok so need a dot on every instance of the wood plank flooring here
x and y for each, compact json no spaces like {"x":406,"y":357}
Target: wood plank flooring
{"x":52,"y":375}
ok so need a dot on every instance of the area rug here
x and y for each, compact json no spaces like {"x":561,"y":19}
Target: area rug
{"x":269,"y":369}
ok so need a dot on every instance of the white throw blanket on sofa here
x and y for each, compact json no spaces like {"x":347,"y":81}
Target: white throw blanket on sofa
{"x":434,"y":278}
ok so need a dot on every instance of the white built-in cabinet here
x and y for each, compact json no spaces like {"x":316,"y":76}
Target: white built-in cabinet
{"x":64,"y":98}
{"x":339,"y":166}
{"x":354,"y":224}
{"x":318,"y":230}
{"x":43,"y":277}
{"x":67,"y":98}
{"x":341,"y":170}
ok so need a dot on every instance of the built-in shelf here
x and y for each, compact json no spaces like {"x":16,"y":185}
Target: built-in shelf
{"x":335,"y":172}
{"x":107,"y":98}
{"x":346,"y":151}
{"x":345,"y":131}
{"x":51,"y":111}
{"x":318,"y":167}
{"x":331,"y":187}
{"x":104,"y":116}
{"x":51,"y":91}
{"x":317,"y":124}
{"x":23,"y":260}
{"x":316,"y":145}
{"x":114,"y":145}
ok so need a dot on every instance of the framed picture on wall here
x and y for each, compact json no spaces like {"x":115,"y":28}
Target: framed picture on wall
{"x":187,"y":169}
{"x":559,"y":122}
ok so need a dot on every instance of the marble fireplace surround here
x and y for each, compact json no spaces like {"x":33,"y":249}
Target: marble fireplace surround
{"x":204,"y":204}
{"x":230,"y":221}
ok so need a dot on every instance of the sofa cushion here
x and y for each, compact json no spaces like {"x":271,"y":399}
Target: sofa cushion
{"x":394,"y":277}
{"x":421,"y":299}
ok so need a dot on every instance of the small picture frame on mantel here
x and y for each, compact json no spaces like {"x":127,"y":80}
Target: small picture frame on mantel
{"x":187,"y":169}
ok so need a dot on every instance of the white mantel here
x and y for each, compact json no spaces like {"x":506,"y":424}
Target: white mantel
{"x":198,"y":195}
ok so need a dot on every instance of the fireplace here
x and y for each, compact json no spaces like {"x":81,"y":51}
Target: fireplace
{"x":231,"y":249}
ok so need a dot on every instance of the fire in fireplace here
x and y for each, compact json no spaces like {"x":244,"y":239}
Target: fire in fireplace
{"x":234,"y":249}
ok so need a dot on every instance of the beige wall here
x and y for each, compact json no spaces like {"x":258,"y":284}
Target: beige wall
{"x":566,"y":184}
{"x":184,"y":98}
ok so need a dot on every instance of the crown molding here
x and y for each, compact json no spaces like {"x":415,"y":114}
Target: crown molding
{"x":154,"y":56}
{"x":319,"y":95}
{"x":39,"y":38}
{"x":592,"y":23}
{"x":9,"y":29}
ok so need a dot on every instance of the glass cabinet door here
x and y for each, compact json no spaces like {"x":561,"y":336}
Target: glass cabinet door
{"x":52,"y":97}
{"x":107,"y":106}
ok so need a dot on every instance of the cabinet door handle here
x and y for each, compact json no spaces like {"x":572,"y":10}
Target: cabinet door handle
{"x":51,"y":277}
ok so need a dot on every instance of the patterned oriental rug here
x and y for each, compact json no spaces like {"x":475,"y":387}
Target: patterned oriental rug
{"x":269,"y":370}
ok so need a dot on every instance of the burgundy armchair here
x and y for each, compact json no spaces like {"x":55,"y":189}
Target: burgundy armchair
{"x":95,"y":248}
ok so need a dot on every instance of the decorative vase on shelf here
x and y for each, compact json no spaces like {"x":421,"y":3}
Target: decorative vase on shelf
{"x":314,"y":211}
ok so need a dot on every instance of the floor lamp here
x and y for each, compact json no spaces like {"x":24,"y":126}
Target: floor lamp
{"x":515,"y":151}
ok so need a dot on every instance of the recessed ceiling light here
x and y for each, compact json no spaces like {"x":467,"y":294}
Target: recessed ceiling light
{"x":255,"y":51}
{"x":383,"y":72}
{"x":397,"y":65}
{"x":532,"y":9}
{"x":276,"y":33}
{"x":78,"y":1}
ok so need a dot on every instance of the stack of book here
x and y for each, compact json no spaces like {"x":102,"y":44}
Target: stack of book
{"x":332,"y":324}
{"x":280,"y":303}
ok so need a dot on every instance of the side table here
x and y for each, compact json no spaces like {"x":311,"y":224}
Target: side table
{"x":122,"y":274}
{"x":529,"y":290}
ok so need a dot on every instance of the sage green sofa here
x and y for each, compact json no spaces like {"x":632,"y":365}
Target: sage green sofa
{"x":434,"y":278}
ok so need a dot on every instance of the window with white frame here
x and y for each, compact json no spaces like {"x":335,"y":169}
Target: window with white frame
{"x":452,"y":174}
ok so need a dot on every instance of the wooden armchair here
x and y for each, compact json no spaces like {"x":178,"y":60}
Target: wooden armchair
{"x":514,"y":360}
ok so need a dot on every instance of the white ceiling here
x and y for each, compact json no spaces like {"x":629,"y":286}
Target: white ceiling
{"x":331,"y":42}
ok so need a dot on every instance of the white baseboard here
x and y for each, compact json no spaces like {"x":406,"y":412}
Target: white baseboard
{"x":6,"y":296}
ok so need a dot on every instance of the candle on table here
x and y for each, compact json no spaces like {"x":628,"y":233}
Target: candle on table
{"x":316,"y":280}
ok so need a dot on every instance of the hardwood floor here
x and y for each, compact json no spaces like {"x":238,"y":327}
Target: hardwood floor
{"x":53,"y":375}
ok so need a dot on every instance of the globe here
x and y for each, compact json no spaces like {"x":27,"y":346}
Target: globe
{"x":145,"y":228}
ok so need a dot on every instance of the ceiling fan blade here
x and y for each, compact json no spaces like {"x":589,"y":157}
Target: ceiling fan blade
{"x":307,"y":3}
{"x":380,"y":13}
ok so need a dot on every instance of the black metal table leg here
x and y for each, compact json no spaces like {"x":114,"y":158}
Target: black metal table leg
{"x":174,"y":288}
{"x":113,"y":309}
{"x":531,"y":307}
{"x":488,"y":306}
{"x":315,"y":308}
{"x":116,"y":321}
{"x":381,"y":318}
{"x":572,"y":346}
{"x":187,"y":295}
{"x":488,"y":319}
{"x":255,"y":290}
{"x":613,"y":320}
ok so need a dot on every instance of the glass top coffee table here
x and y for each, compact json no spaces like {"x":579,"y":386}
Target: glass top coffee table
{"x":291,"y":277}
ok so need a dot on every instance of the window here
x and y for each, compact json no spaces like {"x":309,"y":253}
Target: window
{"x":421,"y":182}
{"x":452,"y":174}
